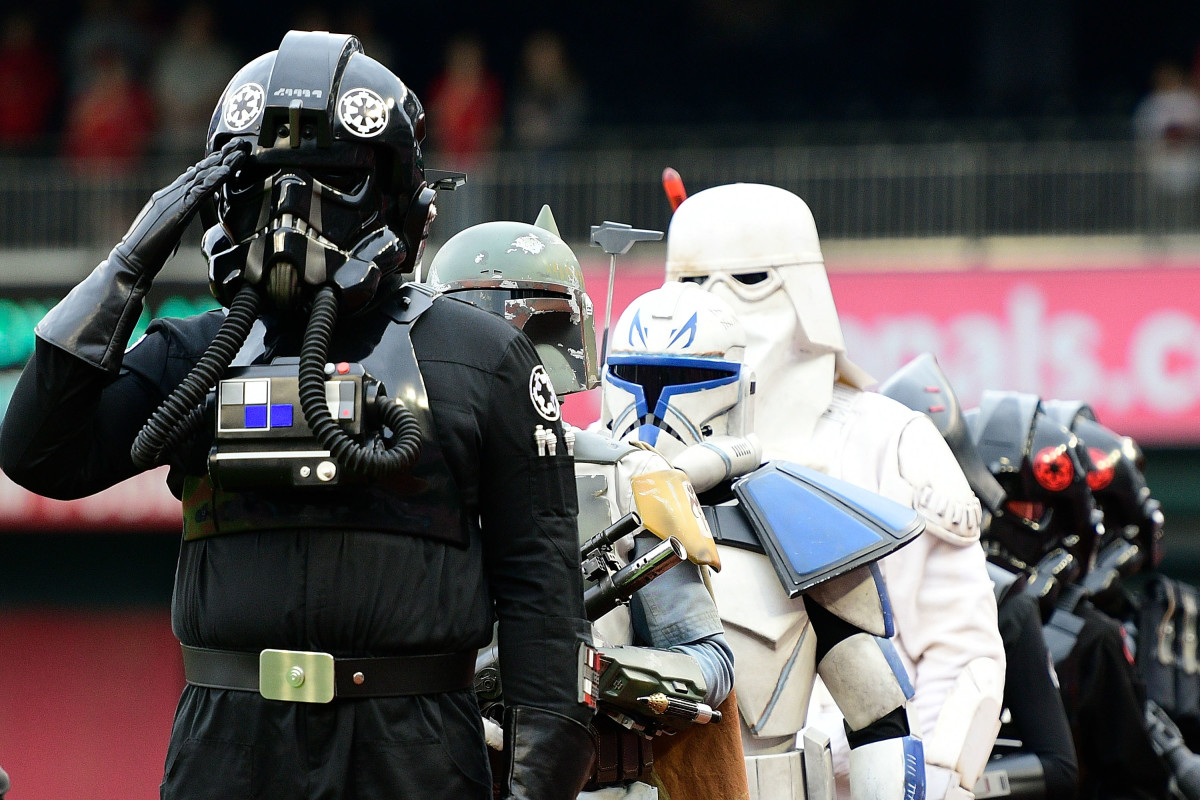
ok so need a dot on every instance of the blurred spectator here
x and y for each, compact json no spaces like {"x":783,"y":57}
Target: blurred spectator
{"x":549,"y":103}
{"x":465,"y":105}
{"x":104,"y":25}
{"x":28,"y":84}
{"x":1167,"y":127}
{"x":189,"y":74}
{"x":110,"y":121}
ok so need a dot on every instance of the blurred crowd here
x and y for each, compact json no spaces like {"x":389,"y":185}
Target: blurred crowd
{"x":132,"y":81}
{"x":110,"y":82}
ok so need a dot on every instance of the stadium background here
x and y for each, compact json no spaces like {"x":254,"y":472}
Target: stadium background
{"x":972,"y":167}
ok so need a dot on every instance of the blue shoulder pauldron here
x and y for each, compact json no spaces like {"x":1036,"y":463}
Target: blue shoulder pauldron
{"x":813,"y":527}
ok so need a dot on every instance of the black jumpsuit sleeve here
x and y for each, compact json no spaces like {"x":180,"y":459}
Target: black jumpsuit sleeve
{"x":527,"y":512}
{"x":69,"y":425}
{"x":1033,"y":699}
{"x":1106,"y":701}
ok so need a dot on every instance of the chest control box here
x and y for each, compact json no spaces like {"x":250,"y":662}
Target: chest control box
{"x":262,"y":438}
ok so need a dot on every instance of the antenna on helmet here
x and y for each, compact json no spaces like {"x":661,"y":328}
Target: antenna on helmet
{"x":673,"y":186}
{"x":615,"y":238}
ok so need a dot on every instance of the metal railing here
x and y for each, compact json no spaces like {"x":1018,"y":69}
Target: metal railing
{"x":856,"y":192}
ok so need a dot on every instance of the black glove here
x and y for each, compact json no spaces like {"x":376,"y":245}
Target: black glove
{"x":548,"y":756}
{"x":94,"y":321}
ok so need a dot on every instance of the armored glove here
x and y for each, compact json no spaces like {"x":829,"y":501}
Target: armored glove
{"x":549,"y":756}
{"x":1050,"y":577}
{"x":1167,"y":741}
{"x":94,"y":321}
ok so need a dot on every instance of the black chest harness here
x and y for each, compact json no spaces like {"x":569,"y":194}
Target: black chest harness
{"x":267,"y":471}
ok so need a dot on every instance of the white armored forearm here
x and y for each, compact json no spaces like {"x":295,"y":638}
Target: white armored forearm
{"x":719,"y":458}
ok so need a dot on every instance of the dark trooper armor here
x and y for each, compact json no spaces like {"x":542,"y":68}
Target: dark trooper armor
{"x":1043,"y":470}
{"x":1132,"y":516}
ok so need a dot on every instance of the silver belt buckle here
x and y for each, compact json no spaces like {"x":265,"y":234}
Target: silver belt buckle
{"x":299,"y":676}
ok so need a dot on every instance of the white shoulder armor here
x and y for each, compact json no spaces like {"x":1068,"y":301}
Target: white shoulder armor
{"x":940,"y":490}
{"x":885,"y":446}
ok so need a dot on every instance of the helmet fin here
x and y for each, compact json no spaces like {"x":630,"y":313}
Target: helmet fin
{"x":545,"y":221}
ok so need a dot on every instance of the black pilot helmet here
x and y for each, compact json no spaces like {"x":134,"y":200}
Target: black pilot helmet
{"x":1043,"y":469}
{"x":334,"y":192}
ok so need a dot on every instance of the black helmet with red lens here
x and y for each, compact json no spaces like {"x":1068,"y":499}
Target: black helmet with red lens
{"x":1043,"y":469}
{"x":1131,"y":513}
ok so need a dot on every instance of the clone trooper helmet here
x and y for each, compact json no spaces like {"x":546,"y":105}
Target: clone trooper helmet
{"x":531,"y":277}
{"x":1117,"y":482}
{"x":1043,"y":469}
{"x":674,"y":374}
{"x":334,"y":190}
{"x":756,"y":247}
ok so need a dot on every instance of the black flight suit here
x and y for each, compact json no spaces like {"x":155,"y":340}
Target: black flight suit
{"x":1039,"y":720}
{"x":1105,"y":701}
{"x":314,"y":582}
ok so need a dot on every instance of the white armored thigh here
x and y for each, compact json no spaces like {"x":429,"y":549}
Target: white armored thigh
{"x":772,"y":644}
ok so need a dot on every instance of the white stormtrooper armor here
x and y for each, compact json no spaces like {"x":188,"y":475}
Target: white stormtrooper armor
{"x":675,"y":379}
{"x":757,"y":248}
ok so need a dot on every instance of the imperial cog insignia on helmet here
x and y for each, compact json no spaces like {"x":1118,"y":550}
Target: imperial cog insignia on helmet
{"x":243,"y":106}
{"x":363,"y":112}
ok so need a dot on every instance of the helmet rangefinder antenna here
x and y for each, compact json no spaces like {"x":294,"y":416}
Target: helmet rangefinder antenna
{"x":673,"y":186}
{"x":616,"y":238}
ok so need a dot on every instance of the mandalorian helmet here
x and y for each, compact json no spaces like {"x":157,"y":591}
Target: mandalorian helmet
{"x":334,"y":191}
{"x":1043,"y":469}
{"x":530,"y":276}
{"x":1118,"y":483}
{"x":674,"y":374}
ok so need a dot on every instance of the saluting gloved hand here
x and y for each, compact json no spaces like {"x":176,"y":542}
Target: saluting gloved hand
{"x":94,"y":321}
{"x":548,"y":756}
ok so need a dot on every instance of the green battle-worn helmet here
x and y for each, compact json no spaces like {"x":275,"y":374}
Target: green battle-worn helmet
{"x":528,"y":274}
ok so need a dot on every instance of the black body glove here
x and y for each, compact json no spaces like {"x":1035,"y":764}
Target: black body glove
{"x":94,"y":321}
{"x":549,"y":756}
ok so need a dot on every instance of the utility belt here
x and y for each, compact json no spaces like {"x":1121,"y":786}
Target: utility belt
{"x":312,"y":677}
{"x":622,"y":755}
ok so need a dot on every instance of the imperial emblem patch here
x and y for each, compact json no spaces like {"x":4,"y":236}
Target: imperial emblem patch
{"x":541,"y":392}
{"x":244,"y":106}
{"x":363,"y":112}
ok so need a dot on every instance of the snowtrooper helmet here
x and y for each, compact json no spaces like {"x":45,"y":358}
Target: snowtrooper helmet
{"x":674,"y":374}
{"x":531,"y":277}
{"x":756,"y":247}
{"x":1117,"y":482}
{"x":1044,"y":469}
